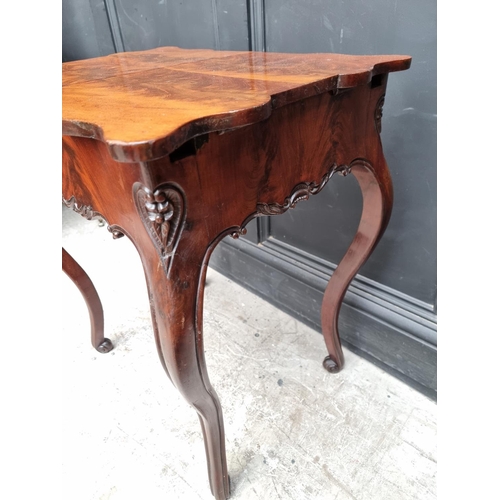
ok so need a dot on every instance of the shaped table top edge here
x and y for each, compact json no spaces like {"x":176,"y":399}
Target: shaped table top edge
{"x":167,"y":96}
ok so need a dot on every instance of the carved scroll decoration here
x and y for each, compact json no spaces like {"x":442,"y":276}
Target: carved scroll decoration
{"x":84,"y":210}
{"x":378,"y":113}
{"x":89,"y":213}
{"x":163,"y":213}
{"x":301,"y":192}
{"x":241,"y":231}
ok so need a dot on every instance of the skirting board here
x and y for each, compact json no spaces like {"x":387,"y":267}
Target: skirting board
{"x":393,"y":331}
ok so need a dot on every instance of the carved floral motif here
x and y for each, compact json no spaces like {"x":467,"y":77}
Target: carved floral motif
{"x":163,"y":213}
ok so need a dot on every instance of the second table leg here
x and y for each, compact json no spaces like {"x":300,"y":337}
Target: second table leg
{"x":376,"y":187}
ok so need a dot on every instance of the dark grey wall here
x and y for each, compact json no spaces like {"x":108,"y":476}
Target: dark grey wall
{"x":85,"y":30}
{"x":92,"y":28}
{"x":390,"y":311}
{"x":405,"y":259}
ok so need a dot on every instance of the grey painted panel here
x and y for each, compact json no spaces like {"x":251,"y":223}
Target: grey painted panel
{"x":406,"y":257}
{"x":209,"y":24}
{"x":85,"y":30}
{"x":232,"y":16}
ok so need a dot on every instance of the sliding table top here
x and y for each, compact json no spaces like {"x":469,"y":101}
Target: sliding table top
{"x":146,"y":104}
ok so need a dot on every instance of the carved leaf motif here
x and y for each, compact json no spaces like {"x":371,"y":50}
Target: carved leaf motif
{"x":163,"y":213}
{"x":378,"y":114}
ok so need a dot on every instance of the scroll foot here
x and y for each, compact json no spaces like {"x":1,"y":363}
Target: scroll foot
{"x":105,"y":346}
{"x":330,"y":366}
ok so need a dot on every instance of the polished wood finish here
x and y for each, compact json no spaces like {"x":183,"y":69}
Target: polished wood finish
{"x":146,"y":104}
{"x":179,"y":148}
{"x":81,"y":279}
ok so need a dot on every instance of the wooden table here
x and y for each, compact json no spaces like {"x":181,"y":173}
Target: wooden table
{"x":179,"y":148}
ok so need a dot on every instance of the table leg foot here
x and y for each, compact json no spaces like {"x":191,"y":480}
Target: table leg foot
{"x":81,"y":279}
{"x":212,"y":426}
{"x":105,"y":346}
{"x":376,"y":187}
{"x":330,"y":366}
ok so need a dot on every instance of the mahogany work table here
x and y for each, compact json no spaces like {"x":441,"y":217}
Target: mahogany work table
{"x":179,"y":148}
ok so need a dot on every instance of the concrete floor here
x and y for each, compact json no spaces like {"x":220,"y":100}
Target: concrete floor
{"x":293,"y":431}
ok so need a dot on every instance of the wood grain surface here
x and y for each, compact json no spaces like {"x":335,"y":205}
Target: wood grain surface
{"x":144,"y":105}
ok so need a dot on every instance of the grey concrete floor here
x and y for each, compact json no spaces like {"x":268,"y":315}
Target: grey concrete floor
{"x":293,"y":431}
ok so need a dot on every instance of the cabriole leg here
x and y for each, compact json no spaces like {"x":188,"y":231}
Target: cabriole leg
{"x":80,"y":278}
{"x":176,"y":298}
{"x":376,"y":187}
